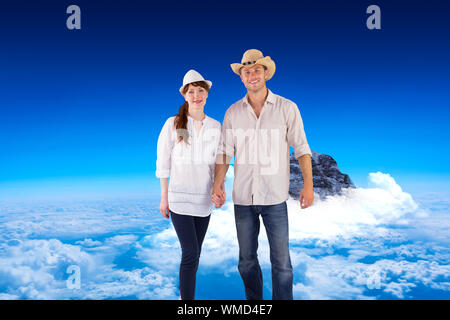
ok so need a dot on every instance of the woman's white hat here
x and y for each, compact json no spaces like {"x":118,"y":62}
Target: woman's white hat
{"x":193,"y":76}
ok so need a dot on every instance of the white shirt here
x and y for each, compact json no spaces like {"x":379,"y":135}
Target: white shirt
{"x":261,"y":166}
{"x":190,"y":167}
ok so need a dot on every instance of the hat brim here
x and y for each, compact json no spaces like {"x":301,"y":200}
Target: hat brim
{"x":266,"y":61}
{"x":207,"y":81}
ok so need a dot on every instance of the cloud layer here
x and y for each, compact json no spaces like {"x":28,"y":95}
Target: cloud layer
{"x":368,"y":243}
{"x":349,"y":246}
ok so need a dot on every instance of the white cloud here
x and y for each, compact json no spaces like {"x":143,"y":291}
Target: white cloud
{"x":354,"y":213}
{"x":337,"y":246}
{"x":76,"y":219}
{"x":335,"y":277}
{"x":361,"y":221}
{"x":36,"y":269}
{"x":322,"y":279}
{"x":88,"y":243}
{"x":142,"y":283}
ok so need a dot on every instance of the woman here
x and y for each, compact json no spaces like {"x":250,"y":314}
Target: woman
{"x":186,"y":153}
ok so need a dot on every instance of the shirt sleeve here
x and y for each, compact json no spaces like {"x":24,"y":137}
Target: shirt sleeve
{"x":226,"y":144}
{"x":296,"y":136}
{"x":217,"y":134}
{"x":219,"y":129}
{"x":164,"y":150}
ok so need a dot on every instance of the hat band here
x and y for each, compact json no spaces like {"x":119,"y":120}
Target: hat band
{"x":249,"y":62}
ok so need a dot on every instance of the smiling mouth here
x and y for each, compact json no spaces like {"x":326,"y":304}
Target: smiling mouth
{"x":253,"y":82}
{"x":197,"y":101}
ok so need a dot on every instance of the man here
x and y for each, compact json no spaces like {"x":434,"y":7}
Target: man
{"x":258,"y":131}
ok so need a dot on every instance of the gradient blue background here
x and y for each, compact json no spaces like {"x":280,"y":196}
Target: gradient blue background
{"x":81,"y":110}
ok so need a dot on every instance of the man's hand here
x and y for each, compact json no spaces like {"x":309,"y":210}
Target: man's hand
{"x":220,"y":171}
{"x":307,"y":194}
{"x":306,"y":197}
{"x":219,"y":194}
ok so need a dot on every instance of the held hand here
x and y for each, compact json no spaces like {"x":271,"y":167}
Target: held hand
{"x":219,"y":195}
{"x":164,"y":206}
{"x":306,"y":198}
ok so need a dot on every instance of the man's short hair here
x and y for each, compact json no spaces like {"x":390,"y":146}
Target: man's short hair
{"x":265,"y":68}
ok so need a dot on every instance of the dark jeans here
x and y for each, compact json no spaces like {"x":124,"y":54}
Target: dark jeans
{"x":247,"y":225}
{"x":191,"y":232}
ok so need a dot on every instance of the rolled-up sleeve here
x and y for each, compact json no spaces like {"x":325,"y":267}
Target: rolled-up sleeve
{"x":296,"y":136}
{"x":226,"y":144}
{"x":164,"y":150}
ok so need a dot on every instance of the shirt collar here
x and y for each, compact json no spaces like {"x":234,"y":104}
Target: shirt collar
{"x":206,"y":119}
{"x":270,"y":98}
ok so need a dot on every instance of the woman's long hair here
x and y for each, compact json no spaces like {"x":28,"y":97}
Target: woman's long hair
{"x":181,"y":118}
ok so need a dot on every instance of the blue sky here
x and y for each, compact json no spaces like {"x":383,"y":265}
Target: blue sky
{"x":86,"y":106}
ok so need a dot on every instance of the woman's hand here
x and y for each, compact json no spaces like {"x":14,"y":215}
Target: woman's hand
{"x":164,"y":206}
{"x":219,"y":195}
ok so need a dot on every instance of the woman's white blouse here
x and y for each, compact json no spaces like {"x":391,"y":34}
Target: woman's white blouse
{"x":189,"y":166}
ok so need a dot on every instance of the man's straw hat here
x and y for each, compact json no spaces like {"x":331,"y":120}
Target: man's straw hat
{"x":252,"y":57}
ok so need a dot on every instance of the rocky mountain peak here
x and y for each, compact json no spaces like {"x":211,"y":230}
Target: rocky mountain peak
{"x":327,"y":179}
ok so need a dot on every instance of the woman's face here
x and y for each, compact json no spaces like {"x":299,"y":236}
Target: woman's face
{"x":196,"y":96}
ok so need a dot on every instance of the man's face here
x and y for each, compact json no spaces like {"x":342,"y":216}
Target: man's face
{"x":254,"y":77}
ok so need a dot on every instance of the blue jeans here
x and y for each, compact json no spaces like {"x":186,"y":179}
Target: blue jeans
{"x":275,"y":220}
{"x":190,"y":231}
